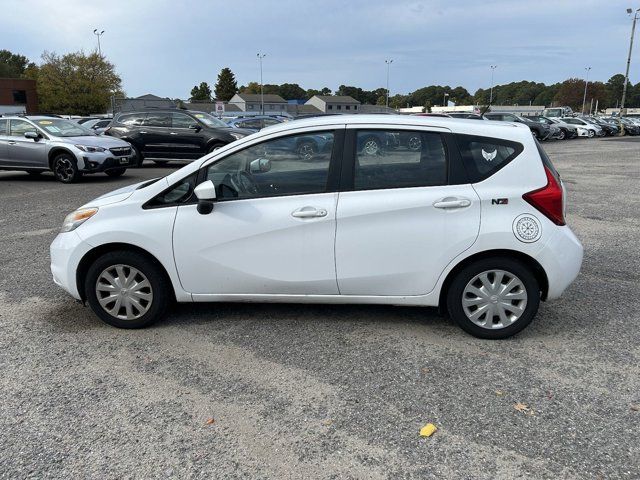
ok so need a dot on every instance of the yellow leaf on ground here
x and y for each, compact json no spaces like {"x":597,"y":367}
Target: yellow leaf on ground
{"x":499,"y":393}
{"x":523,"y":407}
{"x":210,"y":421}
{"x":428,"y":430}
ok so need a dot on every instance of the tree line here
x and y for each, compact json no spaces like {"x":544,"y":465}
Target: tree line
{"x":81,"y":84}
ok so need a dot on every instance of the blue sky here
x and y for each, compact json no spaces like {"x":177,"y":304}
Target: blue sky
{"x":166,"y":47}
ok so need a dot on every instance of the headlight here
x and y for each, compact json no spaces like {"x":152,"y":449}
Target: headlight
{"x":237,"y":136}
{"x":89,"y":148}
{"x":77,"y":218}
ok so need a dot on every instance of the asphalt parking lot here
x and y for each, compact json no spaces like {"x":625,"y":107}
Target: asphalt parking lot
{"x":324,"y":391}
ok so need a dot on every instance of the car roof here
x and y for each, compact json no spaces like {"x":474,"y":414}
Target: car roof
{"x":457,"y":125}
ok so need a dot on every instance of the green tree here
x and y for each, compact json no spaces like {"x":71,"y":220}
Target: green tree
{"x":75,"y":83}
{"x":226,"y":87}
{"x":201,"y":93}
{"x":292,"y":91}
{"x":13,"y":65}
{"x":252,"y":87}
{"x":614,"y":87}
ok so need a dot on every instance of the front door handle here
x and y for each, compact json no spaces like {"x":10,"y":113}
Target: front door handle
{"x":11,"y":142}
{"x":309,"y":212}
{"x":143,"y":131}
{"x":173,"y":133}
{"x":452,"y":202}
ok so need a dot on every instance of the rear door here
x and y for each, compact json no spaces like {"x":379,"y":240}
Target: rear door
{"x":405,"y":215}
{"x":155,"y":133}
{"x":22,"y":151}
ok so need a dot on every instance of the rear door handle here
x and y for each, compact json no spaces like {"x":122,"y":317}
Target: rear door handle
{"x":452,"y":202}
{"x":173,"y":133}
{"x":143,"y":131}
{"x":309,"y":212}
{"x":11,"y":142}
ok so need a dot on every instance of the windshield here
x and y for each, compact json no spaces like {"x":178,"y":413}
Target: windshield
{"x":59,"y":127}
{"x":210,"y":120}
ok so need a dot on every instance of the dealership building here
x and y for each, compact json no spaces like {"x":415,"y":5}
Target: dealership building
{"x":18,"y":95}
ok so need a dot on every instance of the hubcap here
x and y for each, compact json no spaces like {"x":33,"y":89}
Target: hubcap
{"x":124,"y":292}
{"x":370,"y":147}
{"x":64,"y":169}
{"x":306,"y":151}
{"x":494,"y":299}
{"x":415,"y":143}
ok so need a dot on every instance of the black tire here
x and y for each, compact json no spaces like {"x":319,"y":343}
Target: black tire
{"x":139,"y":157}
{"x":592,"y":134}
{"x":215,"y":146}
{"x":512,"y":267}
{"x":535,"y":134}
{"x":116,"y":172}
{"x":65,"y":168}
{"x":161,"y":163}
{"x":562,"y":135}
{"x":307,"y":150}
{"x":160,"y":287}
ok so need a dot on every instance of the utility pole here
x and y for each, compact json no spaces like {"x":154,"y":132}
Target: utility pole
{"x":626,"y":75}
{"x":388,"y":62}
{"x":98,"y":34}
{"x":584,"y":98}
{"x":260,"y":57}
{"x":493,"y":67}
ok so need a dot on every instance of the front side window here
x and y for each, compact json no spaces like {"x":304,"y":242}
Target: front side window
{"x":19,"y":127}
{"x":399,"y":159}
{"x":292,"y":165}
{"x":180,"y":120}
{"x":178,"y":194}
{"x":483,"y":156}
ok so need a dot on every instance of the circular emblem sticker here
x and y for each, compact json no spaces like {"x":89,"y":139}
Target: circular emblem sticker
{"x":527,"y":228}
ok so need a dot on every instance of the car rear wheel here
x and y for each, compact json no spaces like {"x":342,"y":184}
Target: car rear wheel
{"x":127,"y":290}
{"x":493,"y":298}
{"x":214,"y":147}
{"x":371,"y":146}
{"x":562,"y":135}
{"x":65,"y":168}
{"x":115,"y":172}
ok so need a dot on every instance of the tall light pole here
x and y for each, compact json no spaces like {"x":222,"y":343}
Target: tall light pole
{"x":626,"y":75}
{"x":584,"y":98}
{"x":444,"y":99}
{"x":493,"y":67}
{"x":260,"y":57}
{"x":388,"y":62}
{"x":98,"y":34}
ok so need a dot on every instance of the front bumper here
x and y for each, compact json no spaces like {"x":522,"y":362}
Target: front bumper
{"x":96,"y":162}
{"x":66,"y":252}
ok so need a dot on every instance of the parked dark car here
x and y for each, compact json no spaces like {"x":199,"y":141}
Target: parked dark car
{"x":539,"y":130}
{"x":173,"y":134}
{"x":565,"y":131}
{"x":468,"y":116}
{"x":609,"y":129}
{"x":255,"y":123}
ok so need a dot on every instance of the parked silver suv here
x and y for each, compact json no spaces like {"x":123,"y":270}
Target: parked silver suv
{"x":36,"y":144}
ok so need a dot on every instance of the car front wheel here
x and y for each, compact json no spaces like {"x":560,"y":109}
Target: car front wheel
{"x":494,"y":298}
{"x":65,"y":168}
{"x":127,"y":289}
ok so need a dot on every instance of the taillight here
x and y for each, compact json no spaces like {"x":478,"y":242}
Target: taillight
{"x":548,"y":199}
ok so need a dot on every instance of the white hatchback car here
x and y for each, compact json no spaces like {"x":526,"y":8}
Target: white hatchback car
{"x":464,"y":215}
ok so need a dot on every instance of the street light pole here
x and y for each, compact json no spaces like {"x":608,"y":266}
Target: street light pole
{"x":584,"y":98}
{"x":493,"y":67}
{"x":98,"y":34}
{"x":388,"y":62}
{"x":444,"y":99}
{"x":626,"y":75}
{"x":260,"y":57}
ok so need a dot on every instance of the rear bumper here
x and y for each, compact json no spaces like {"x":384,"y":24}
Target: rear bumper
{"x":66,"y":252}
{"x":561,"y":260}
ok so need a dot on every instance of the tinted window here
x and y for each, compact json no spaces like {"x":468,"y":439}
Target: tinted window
{"x":132,"y":118}
{"x":180,"y":120}
{"x":398,"y":159}
{"x":255,"y":123}
{"x":483,"y":156}
{"x":3,"y":127}
{"x":19,"y":127}
{"x":293,"y":165}
{"x":158,"y":120}
{"x":270,"y":121}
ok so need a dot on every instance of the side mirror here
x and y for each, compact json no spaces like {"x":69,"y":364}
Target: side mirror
{"x":260,"y":165}
{"x":32,"y":135}
{"x":206,"y":194}
{"x":195,"y":127}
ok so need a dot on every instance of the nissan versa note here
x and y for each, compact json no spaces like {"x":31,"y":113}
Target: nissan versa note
{"x":36,"y":144}
{"x":469,"y":217}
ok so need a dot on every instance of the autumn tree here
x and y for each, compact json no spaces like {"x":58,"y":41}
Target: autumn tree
{"x":226,"y":86}
{"x":75,"y":83}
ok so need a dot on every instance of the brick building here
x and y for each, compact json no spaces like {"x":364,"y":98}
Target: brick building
{"x":18,"y":95}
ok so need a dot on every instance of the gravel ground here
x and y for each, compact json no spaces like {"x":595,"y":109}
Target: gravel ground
{"x":324,"y":391}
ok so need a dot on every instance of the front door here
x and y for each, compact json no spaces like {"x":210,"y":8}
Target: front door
{"x":272,"y":229}
{"x":186,"y":136}
{"x":402,"y":222}
{"x":22,"y":151}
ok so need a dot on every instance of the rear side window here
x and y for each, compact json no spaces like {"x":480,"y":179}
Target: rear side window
{"x":484,"y":156}
{"x":158,"y":120}
{"x":131,"y":119}
{"x":399,"y":159}
{"x":3,"y":127}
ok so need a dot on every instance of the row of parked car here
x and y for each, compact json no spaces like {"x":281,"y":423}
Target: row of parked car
{"x":111,"y":145}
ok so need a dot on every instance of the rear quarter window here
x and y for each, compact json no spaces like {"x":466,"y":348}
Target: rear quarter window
{"x":484,"y":156}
